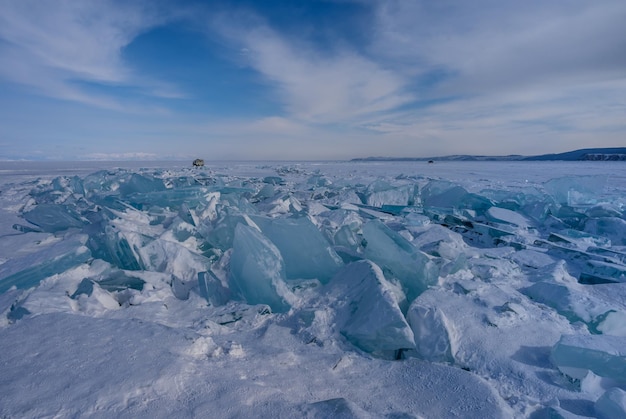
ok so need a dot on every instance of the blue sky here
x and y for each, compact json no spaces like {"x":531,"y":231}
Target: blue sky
{"x":325,"y":79}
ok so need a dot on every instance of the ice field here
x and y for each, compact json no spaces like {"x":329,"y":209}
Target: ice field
{"x":301,"y":289}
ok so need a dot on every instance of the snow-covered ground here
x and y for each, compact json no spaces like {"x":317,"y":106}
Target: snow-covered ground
{"x":328,"y":289}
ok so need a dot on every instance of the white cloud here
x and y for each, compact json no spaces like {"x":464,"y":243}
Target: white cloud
{"x":489,"y":46}
{"x":50,"y":46}
{"x":514,"y":76}
{"x":500,"y":77}
{"x":318,"y":86}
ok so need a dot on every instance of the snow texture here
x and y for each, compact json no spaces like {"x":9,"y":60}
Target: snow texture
{"x":361,"y":290}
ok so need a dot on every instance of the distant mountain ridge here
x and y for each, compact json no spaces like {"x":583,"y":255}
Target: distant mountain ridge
{"x":584,"y":154}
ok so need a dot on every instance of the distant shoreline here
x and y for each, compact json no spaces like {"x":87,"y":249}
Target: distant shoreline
{"x":585,"y":154}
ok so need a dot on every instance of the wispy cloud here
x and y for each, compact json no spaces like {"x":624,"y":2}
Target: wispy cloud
{"x":487,"y":73}
{"x":513,"y":76}
{"x":491,"y":45}
{"x":316,"y":85}
{"x":51,"y":46}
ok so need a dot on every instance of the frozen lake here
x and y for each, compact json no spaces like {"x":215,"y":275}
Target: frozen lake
{"x":471,"y":174}
{"x":313,"y":289}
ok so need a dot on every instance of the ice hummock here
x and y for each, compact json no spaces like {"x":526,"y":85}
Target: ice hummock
{"x":612,"y":404}
{"x":54,"y":258}
{"x":257,"y":270}
{"x":54,"y":217}
{"x":434,"y":335}
{"x":211,"y":289}
{"x":341,"y":270}
{"x":367,"y":309}
{"x":603,"y":355}
{"x":399,"y":258}
{"x":576,"y":190}
{"x":315,"y":259}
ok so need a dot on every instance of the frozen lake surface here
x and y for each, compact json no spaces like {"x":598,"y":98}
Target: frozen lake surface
{"x":313,"y":289}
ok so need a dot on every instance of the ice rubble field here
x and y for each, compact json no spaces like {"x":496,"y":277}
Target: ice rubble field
{"x":398,"y":290}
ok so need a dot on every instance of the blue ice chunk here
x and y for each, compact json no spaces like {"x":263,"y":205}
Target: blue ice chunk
{"x":73,"y":184}
{"x":444,"y":194}
{"x":347,"y":237}
{"x":507,"y":216}
{"x":281,"y":204}
{"x":557,"y":296}
{"x":62,"y":189}
{"x":85,"y":287}
{"x":173,"y":258}
{"x":28,"y":270}
{"x":212,"y":290}
{"x":571,"y":216}
{"x":119,"y":280}
{"x":180,"y":288}
{"x":579,"y":239}
{"x":611,"y":228}
{"x":382,"y":193}
{"x":576,"y":190}
{"x":539,"y":210}
{"x":182,"y":230}
{"x":399,"y":258}
{"x":604,"y":210}
{"x":575,"y":303}
{"x":273,"y":180}
{"x":267,"y":191}
{"x":221,"y":233}
{"x":168,"y":198}
{"x":186,"y":214}
{"x":612,"y":404}
{"x":257,"y":270}
{"x":52,"y":218}
{"x":107,"y":243}
{"x":181,"y":182}
{"x":432,"y":332}
{"x":307,"y":254}
{"x":26,"y":229}
{"x":137,"y":183}
{"x":367,"y":309}
{"x":413,"y":219}
{"x":113,"y":246}
{"x":609,"y":254}
{"x":319,"y":181}
{"x":101,"y":182}
{"x":598,"y":272}
{"x":604,"y":355}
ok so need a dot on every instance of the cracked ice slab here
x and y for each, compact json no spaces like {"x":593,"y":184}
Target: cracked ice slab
{"x":603,"y":355}
{"x":28,"y":270}
{"x":367,"y":309}
{"x":314,"y":259}
{"x":257,"y":270}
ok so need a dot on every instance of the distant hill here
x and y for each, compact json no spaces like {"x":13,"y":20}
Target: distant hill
{"x":609,"y":154}
{"x":599,"y":154}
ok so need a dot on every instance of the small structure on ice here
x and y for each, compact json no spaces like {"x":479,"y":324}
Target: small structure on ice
{"x":198,"y":163}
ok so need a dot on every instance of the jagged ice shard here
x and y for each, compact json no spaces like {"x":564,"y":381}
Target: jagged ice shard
{"x":28,"y":270}
{"x":367,"y":310}
{"x":603,"y":355}
{"x":394,"y":254}
{"x":257,"y":270}
{"x":313,"y":259}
